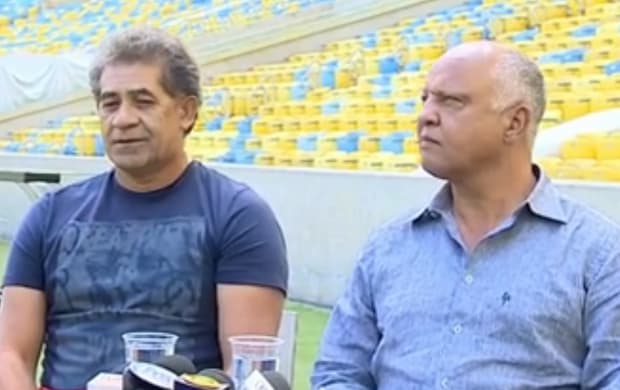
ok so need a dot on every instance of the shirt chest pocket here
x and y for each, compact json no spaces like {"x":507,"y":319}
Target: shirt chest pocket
{"x":159,"y":268}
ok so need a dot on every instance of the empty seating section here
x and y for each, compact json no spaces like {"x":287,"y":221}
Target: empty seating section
{"x":355,"y":104}
{"x":589,"y":156}
{"x":26,"y":26}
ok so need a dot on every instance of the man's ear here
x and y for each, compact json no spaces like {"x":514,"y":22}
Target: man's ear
{"x":518,"y":121}
{"x":188,"y":112}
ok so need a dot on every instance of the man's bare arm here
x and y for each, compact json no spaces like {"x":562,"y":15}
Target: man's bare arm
{"x":22,"y":327}
{"x":247,"y":310}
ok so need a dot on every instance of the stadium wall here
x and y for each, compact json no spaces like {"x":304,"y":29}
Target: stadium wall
{"x":326,"y":215}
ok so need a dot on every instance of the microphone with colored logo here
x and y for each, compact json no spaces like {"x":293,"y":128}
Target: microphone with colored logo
{"x":159,"y":375}
{"x":173,"y":372}
{"x":207,"y":379}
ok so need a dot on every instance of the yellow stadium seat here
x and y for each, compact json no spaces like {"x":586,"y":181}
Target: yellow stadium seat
{"x":543,"y":11}
{"x":558,"y":87}
{"x":383,"y":107}
{"x":369,"y":123}
{"x":387,"y":124}
{"x":573,"y":107}
{"x":583,"y":146}
{"x":327,"y":160}
{"x":608,"y":148}
{"x":373,"y":162}
{"x":411,"y":146}
{"x":283,"y":160}
{"x":347,"y":161}
{"x":595,"y":54}
{"x":551,"y":118}
{"x":306,"y":125}
{"x":369,"y":143}
{"x":265,"y":159}
{"x":603,"y":101}
{"x":602,"y":173}
{"x":327,"y":143}
{"x":549,"y":163}
{"x":402,"y":163}
{"x":303,"y":159}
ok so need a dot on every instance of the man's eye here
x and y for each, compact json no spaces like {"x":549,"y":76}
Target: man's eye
{"x":452,"y":100}
{"x":109,"y":104}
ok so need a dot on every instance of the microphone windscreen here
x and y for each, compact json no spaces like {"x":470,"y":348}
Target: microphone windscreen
{"x":176,"y":363}
{"x":276,"y":380}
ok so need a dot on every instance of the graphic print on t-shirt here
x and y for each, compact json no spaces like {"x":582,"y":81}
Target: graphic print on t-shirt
{"x":131,"y":265}
{"x":110,"y":278}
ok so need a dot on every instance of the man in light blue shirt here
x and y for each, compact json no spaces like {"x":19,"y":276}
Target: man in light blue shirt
{"x":501,"y":282}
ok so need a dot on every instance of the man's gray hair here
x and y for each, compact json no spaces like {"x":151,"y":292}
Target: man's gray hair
{"x":180,"y":73}
{"x":518,"y":77}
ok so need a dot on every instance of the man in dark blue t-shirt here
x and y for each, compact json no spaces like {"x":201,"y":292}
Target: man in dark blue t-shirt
{"x":159,"y":243}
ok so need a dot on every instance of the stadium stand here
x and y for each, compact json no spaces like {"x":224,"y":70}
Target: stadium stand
{"x":354,"y":105}
{"x":28,"y":27}
{"x":47,"y":47}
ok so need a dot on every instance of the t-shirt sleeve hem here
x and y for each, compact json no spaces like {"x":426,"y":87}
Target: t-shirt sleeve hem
{"x":13,"y":283}
{"x":253,"y":282}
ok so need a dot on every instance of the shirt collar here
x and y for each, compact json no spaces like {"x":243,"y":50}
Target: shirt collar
{"x":544,"y":201}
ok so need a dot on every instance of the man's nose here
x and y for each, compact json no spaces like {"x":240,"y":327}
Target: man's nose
{"x":428,"y":115}
{"x":125,"y":117}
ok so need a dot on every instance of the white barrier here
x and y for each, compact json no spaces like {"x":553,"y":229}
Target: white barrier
{"x":326,"y":215}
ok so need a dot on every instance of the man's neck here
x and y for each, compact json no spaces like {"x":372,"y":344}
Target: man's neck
{"x":482,"y":202}
{"x":154,"y":179}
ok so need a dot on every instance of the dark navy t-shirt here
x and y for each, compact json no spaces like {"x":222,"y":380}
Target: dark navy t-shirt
{"x":112,"y":261}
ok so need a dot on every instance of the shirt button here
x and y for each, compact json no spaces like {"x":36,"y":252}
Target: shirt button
{"x":444,"y":383}
{"x":469,"y":279}
{"x":457,"y":329}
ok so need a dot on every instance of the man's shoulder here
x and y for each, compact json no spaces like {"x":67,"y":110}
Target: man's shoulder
{"x":78,"y":192}
{"x":392,"y":231}
{"x":223,"y":187}
{"x":588,"y":218}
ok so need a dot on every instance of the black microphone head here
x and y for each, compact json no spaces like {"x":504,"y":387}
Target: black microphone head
{"x":176,"y":363}
{"x":276,"y":380}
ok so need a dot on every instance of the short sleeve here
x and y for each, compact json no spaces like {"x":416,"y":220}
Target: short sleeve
{"x":25,"y":263}
{"x":252,"y":245}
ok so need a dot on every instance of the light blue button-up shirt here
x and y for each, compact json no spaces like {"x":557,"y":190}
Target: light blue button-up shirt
{"x":535,"y":306}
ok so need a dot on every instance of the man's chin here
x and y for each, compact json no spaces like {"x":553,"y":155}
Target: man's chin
{"x":130,"y":163}
{"x":435,"y":170}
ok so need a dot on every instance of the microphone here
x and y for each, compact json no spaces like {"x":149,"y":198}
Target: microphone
{"x":268,"y":380}
{"x":177,"y":363}
{"x":159,"y":375}
{"x":207,"y":379}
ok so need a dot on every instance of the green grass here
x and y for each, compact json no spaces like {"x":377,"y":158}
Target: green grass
{"x":4,"y":251}
{"x":311,"y":321}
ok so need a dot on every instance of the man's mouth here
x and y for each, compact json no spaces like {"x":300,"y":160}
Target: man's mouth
{"x":128,"y":141}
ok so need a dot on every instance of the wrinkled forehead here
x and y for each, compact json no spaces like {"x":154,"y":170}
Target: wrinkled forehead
{"x":124,"y":77}
{"x":472,"y":76}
